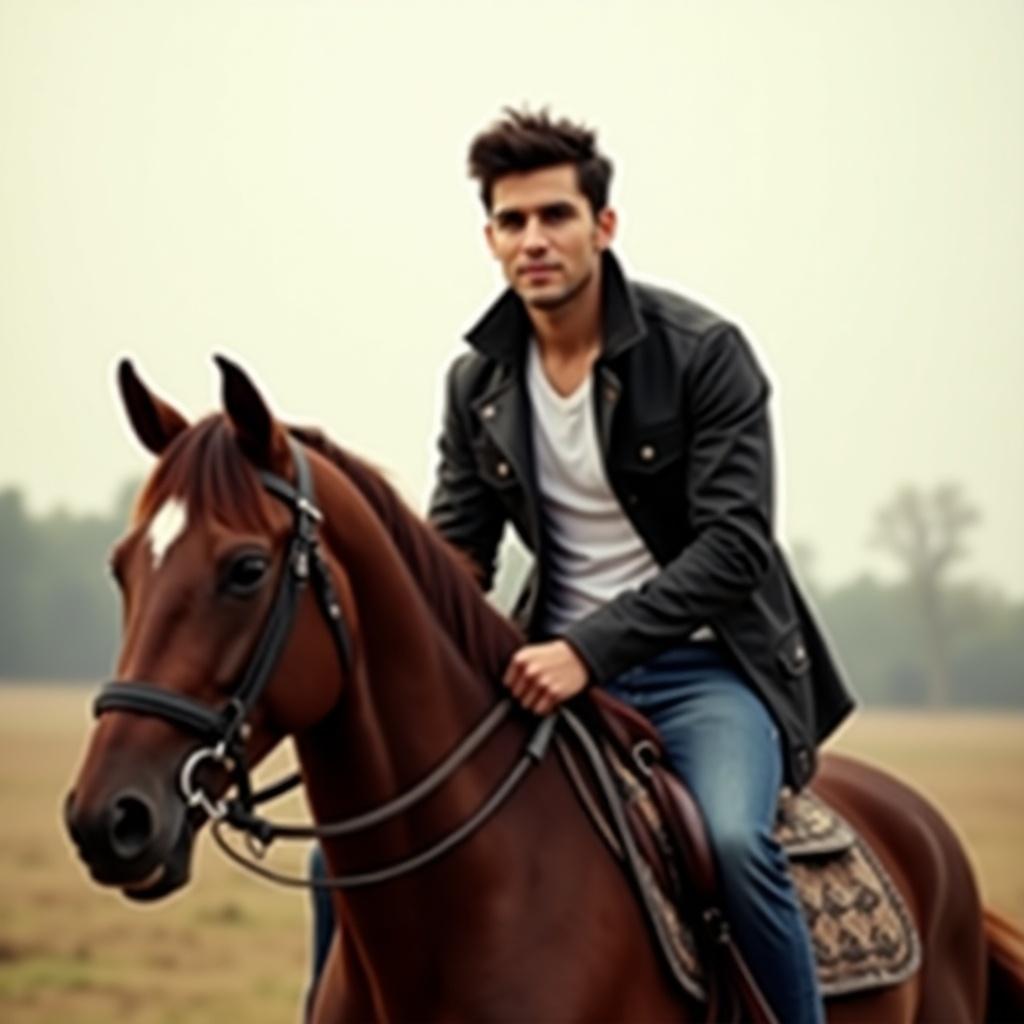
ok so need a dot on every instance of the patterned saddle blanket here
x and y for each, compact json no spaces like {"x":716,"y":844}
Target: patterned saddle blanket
{"x":862,"y":933}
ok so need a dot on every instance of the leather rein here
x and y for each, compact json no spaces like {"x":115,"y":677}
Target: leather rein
{"x":226,"y":730}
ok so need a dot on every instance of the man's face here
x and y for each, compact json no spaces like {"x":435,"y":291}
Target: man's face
{"x":544,"y":233}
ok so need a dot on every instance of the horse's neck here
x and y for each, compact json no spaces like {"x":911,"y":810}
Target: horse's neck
{"x":500,"y":895}
{"x":410,"y":700}
{"x":443,"y":575}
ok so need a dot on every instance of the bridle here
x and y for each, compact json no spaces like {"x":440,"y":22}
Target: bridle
{"x":226,"y":730}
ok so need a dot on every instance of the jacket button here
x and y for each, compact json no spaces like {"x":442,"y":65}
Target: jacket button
{"x":800,"y":652}
{"x":647,"y":452}
{"x":488,"y":412}
{"x":803,"y":759}
{"x":503,"y":469}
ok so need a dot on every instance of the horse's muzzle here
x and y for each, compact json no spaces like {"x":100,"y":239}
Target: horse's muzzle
{"x":129,"y":842}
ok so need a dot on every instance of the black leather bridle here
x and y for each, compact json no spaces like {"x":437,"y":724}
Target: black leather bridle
{"x":226,"y":729}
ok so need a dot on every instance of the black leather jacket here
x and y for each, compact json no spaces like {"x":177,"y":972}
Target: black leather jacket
{"x":682,"y":414}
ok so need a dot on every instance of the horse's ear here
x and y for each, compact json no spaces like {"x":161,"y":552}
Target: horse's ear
{"x":259,"y":435}
{"x":156,"y":424}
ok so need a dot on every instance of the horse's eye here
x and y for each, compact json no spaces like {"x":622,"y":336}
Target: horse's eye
{"x":246,"y":573}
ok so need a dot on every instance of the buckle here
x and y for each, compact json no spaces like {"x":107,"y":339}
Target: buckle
{"x":716,"y":924}
{"x":196,"y":796}
{"x":645,"y":756}
{"x":307,"y":508}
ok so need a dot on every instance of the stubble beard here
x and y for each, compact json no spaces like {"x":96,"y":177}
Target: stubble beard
{"x":549,"y":303}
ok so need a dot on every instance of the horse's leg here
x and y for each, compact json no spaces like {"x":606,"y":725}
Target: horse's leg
{"x":930,"y":868}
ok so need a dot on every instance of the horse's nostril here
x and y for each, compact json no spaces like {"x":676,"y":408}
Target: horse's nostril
{"x":131,"y":826}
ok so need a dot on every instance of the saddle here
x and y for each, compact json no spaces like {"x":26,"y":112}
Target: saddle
{"x":861,"y":931}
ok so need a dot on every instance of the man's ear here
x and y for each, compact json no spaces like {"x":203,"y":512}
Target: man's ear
{"x":259,"y":435}
{"x":156,"y":424}
{"x":489,"y":236}
{"x":607,"y":223}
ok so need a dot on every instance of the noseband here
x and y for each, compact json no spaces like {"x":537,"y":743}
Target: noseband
{"x":226,"y":730}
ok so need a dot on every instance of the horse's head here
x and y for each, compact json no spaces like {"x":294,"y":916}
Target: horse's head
{"x":216,"y":620}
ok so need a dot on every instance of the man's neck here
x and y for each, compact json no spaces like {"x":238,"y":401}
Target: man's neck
{"x":573,"y":330}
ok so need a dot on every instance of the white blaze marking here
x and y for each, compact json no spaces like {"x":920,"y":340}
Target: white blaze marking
{"x":167,"y":526}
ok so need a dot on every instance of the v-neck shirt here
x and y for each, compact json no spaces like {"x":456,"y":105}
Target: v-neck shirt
{"x":593,"y":550}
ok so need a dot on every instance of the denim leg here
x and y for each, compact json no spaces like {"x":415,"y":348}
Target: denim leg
{"x":323,"y":914}
{"x":723,"y":743}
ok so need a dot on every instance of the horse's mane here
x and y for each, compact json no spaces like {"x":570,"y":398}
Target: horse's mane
{"x":444,"y":575}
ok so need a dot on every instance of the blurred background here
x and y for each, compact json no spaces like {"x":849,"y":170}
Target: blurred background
{"x":285,"y":182}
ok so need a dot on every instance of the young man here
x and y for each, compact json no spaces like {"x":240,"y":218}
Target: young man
{"x":623,"y":430}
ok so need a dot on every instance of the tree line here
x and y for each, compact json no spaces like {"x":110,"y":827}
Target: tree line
{"x":923,"y":640}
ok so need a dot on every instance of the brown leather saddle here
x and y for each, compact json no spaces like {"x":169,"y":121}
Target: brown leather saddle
{"x":862,"y":933}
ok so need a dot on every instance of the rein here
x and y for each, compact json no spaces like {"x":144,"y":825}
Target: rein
{"x":227,"y":729}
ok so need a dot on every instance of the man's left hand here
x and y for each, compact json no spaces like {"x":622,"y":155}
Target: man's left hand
{"x":541,"y":676}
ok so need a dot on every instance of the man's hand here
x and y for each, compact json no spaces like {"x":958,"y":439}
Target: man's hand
{"x":541,"y":676}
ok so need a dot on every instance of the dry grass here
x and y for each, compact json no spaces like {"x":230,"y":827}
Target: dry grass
{"x":232,"y":947}
{"x":971,"y":766}
{"x":227,"y":948}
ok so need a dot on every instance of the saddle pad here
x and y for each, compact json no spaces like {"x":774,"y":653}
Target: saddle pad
{"x":862,"y":934}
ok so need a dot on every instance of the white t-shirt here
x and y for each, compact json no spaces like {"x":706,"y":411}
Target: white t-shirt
{"x":593,"y":550}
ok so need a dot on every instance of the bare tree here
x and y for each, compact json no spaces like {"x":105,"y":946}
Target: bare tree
{"x":925,"y":532}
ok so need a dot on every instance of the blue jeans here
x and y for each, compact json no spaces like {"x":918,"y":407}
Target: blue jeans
{"x":723,"y":743}
{"x":323,"y":918}
{"x":725,"y":746}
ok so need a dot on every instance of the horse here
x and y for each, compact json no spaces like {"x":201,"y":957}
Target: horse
{"x":377,"y":674}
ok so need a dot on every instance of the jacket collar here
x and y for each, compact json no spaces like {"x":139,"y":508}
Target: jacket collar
{"x":502,"y":331}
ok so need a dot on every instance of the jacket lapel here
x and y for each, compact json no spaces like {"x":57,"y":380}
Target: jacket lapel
{"x":606,"y":399}
{"x":504,"y":414}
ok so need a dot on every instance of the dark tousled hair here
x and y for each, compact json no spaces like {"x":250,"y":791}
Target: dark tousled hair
{"x":523,"y":141}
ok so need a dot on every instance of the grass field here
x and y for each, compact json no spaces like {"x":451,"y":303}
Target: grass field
{"x":233,"y":948}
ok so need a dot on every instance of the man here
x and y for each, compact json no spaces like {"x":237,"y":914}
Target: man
{"x":623,"y":430}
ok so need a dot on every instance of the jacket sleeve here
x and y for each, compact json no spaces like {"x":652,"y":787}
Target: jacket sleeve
{"x":728,"y":504}
{"x":463,"y":508}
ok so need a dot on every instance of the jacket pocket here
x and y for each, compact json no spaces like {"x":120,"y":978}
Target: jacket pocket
{"x":791,"y":652}
{"x":492,"y":466}
{"x":652,"y":449}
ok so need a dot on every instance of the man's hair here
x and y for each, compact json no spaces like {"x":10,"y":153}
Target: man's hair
{"x":522,"y":141}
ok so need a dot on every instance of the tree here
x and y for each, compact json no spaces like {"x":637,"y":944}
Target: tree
{"x":59,"y":610}
{"x":924,"y":532}
{"x":18,"y":563}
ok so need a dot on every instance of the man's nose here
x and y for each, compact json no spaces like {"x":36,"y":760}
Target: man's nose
{"x":534,"y":238}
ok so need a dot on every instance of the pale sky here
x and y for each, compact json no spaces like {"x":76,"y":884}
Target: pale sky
{"x":286,"y":182}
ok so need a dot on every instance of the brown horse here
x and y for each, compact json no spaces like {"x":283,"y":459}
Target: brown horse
{"x":530,"y":918}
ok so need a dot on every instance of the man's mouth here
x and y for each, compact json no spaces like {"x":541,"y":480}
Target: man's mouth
{"x":538,"y":270}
